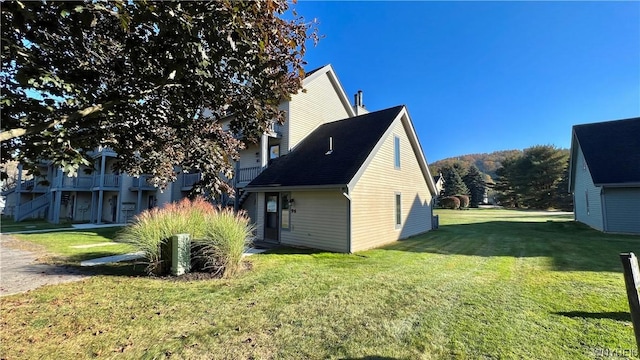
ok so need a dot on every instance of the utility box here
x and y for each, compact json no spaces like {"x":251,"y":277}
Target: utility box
{"x":180,"y":254}
{"x":435,"y":222}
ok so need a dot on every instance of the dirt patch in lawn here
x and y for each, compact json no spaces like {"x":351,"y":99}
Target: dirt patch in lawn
{"x":21,"y":268}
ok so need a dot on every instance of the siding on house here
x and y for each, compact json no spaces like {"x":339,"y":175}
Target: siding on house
{"x":622,"y":209}
{"x":373,"y":197}
{"x":259,"y":219}
{"x":307,"y":110}
{"x":248,"y":157}
{"x":251,"y":206}
{"x":320,"y":221}
{"x":587,"y":196}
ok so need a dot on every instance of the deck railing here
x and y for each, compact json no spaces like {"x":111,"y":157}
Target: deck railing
{"x":110,"y":180}
{"x":188,"y":180}
{"x":247,"y":174}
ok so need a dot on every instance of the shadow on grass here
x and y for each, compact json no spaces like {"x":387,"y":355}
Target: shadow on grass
{"x":616,"y":315}
{"x":571,"y":246}
{"x":294,"y":251}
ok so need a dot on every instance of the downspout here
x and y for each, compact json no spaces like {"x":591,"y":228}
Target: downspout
{"x":345,"y":193}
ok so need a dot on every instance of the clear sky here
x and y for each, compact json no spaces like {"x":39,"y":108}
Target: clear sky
{"x":484,"y":76}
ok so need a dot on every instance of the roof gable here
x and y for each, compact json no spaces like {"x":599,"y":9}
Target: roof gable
{"x":309,"y":164}
{"x":611,"y":150}
{"x":328,"y":70}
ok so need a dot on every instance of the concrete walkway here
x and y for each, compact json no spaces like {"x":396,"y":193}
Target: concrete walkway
{"x":113,"y":259}
{"x":140,"y":255}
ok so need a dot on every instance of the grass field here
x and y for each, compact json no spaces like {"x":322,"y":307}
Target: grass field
{"x":8,"y":225}
{"x":487,"y":284}
{"x":62,"y":247}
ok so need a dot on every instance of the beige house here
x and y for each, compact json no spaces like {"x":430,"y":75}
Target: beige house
{"x":350,"y":185}
{"x":333,"y":176}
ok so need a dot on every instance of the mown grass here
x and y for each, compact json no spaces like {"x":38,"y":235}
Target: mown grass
{"x":8,"y":225}
{"x":487,"y":284}
{"x":61,"y":246}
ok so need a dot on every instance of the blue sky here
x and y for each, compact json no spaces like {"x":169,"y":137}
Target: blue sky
{"x":484,"y":76}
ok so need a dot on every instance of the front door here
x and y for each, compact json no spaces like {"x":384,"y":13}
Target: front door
{"x":271,"y":220}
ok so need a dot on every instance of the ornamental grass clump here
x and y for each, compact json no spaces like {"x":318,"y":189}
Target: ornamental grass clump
{"x":153,"y":228}
{"x":225,"y":239}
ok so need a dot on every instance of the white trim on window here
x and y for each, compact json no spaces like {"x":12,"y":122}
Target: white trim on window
{"x":396,"y":151}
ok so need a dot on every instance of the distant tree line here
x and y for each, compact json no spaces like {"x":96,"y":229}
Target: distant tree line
{"x":487,"y":164}
{"x":536,"y":177}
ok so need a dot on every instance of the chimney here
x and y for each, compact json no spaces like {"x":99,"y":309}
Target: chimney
{"x":358,"y":106}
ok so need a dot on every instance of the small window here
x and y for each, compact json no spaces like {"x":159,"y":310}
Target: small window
{"x":396,"y":151}
{"x":398,"y":210}
{"x":274,"y":151}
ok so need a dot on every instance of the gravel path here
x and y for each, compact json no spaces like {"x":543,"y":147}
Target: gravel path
{"x":20,"y":270}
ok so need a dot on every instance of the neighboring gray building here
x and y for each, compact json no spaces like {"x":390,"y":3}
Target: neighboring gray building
{"x":604,"y":175}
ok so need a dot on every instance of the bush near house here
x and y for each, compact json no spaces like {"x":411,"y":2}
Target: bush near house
{"x":464,"y":201}
{"x":450,"y":202}
{"x":219,"y":235}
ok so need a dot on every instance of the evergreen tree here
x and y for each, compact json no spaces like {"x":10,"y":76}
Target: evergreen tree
{"x":563,"y":198}
{"x":453,"y":184}
{"x":476,"y":185}
{"x":508,"y":194}
{"x":531,"y":180}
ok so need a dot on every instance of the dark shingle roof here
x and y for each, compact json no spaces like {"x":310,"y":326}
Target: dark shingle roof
{"x":307,"y":164}
{"x":612,"y":150}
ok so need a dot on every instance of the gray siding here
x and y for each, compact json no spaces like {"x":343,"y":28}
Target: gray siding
{"x":587,"y":198}
{"x":622,"y":210}
{"x":250,"y":206}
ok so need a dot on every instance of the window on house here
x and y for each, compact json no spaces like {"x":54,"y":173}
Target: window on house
{"x":398,"y":210}
{"x":274,"y":151}
{"x":396,"y":151}
{"x":285,"y":215}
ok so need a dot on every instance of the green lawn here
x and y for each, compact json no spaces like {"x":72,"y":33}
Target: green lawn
{"x":487,"y":284}
{"x":63,"y":246}
{"x":8,"y":225}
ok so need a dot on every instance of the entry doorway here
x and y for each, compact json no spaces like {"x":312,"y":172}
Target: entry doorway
{"x":271,"y":228}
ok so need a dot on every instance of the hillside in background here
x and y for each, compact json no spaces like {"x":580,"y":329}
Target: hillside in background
{"x":486,"y":163}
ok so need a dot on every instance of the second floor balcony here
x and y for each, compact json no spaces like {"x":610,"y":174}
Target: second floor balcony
{"x":107,"y":181}
{"x":188,"y":180}
{"x":142,"y":183}
{"x":36,"y":185}
{"x":64,"y":182}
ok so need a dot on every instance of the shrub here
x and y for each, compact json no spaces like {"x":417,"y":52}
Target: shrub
{"x":450,"y":202}
{"x":151,"y":229}
{"x":224,"y":242}
{"x":464,"y":201}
